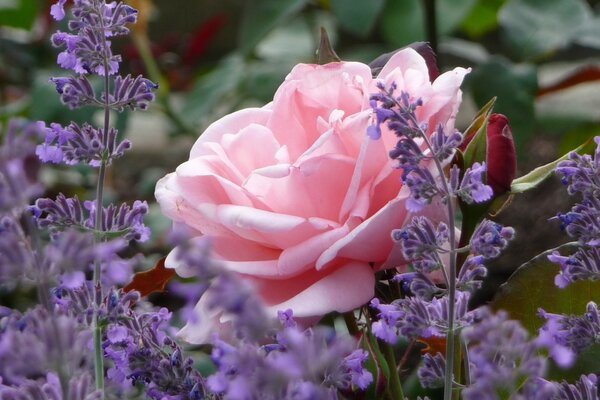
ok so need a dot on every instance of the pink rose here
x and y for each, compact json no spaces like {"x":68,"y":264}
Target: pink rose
{"x":295,"y":196}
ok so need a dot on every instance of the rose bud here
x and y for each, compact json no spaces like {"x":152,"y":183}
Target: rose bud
{"x":501,"y":154}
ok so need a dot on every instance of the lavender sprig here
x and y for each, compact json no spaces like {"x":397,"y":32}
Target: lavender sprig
{"x":581,"y":174}
{"x":421,"y":240}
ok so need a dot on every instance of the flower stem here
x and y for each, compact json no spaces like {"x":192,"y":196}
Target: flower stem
{"x":450,"y":336}
{"x":98,"y":352}
{"x":394,"y":385}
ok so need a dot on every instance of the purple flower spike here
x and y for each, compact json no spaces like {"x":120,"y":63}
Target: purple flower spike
{"x":133,"y":93}
{"x":431,"y":374}
{"x":583,"y":265}
{"x":503,"y":359}
{"x":75,"y":92}
{"x":421,"y":242}
{"x":58,"y":10}
{"x":572,"y":332}
{"x":472,"y":189}
{"x":586,"y":388}
{"x":56,"y":215}
{"x":490,"y":238}
{"x":581,"y":173}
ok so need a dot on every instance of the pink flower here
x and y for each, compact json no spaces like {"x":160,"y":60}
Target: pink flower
{"x":295,"y":196}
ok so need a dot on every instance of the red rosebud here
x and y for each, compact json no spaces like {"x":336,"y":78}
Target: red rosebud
{"x":501,"y":155}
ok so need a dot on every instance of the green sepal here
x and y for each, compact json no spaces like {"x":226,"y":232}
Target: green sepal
{"x":476,"y":136}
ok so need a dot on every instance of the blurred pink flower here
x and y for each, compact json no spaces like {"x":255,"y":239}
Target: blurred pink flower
{"x":296,"y":197}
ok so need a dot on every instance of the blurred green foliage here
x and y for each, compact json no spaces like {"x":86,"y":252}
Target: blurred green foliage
{"x":215,"y":57}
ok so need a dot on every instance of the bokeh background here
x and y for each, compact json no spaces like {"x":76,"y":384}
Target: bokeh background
{"x":540,"y":58}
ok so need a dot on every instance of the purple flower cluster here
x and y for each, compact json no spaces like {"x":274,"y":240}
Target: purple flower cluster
{"x":503,"y":360}
{"x":398,"y":113}
{"x":311,"y":364}
{"x":88,"y":50}
{"x":413,"y":317}
{"x":570,"y":332}
{"x":84,"y":144}
{"x":581,"y":174}
{"x":64,"y":212}
{"x":18,"y":165}
{"x":39,"y":341}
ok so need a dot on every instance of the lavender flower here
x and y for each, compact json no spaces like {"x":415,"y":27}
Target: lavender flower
{"x":416,"y":284}
{"x":503,"y":359}
{"x":583,"y":265}
{"x":575,"y":333}
{"x":490,"y":238}
{"x":63,"y":212}
{"x":75,"y":92}
{"x":583,"y":222}
{"x":586,"y":388}
{"x":413,"y":318}
{"x":471,"y":188}
{"x":94,"y":21}
{"x":80,"y":387}
{"x":471,"y":274}
{"x":18,"y":167}
{"x":421,"y":242}
{"x":81,"y":145}
{"x":431,"y":373}
{"x":40,"y":341}
{"x":312,"y":363}
{"x":581,"y":173}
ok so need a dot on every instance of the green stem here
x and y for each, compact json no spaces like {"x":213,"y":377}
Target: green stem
{"x":451,"y":276}
{"x":394,"y":385}
{"x":98,"y":352}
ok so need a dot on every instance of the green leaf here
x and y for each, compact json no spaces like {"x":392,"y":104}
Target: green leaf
{"x":261,"y":16}
{"x":589,"y":34}
{"x":536,"y":27}
{"x":451,"y":13}
{"x":402,"y":22}
{"x":515,"y":87}
{"x":357,"y":17}
{"x":539,"y":175}
{"x":211,"y":88}
{"x":482,"y":19}
{"x":532,"y":287}
{"x":18,"y":13}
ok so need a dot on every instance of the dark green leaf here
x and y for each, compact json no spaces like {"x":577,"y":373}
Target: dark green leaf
{"x":536,"y":27}
{"x":532,"y":287}
{"x":261,"y":16}
{"x":357,"y":17}
{"x":210,"y":89}
{"x":515,"y":87}
{"x":18,"y":13}
{"x":538,"y":175}
{"x":483,"y":18}
{"x":402,"y":22}
{"x":451,"y":14}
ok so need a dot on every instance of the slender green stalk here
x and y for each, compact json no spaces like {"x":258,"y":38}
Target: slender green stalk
{"x":98,"y":352}
{"x":394,"y":385}
{"x":451,"y":276}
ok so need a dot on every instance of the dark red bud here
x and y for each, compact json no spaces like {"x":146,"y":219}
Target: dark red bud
{"x":501,"y":155}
